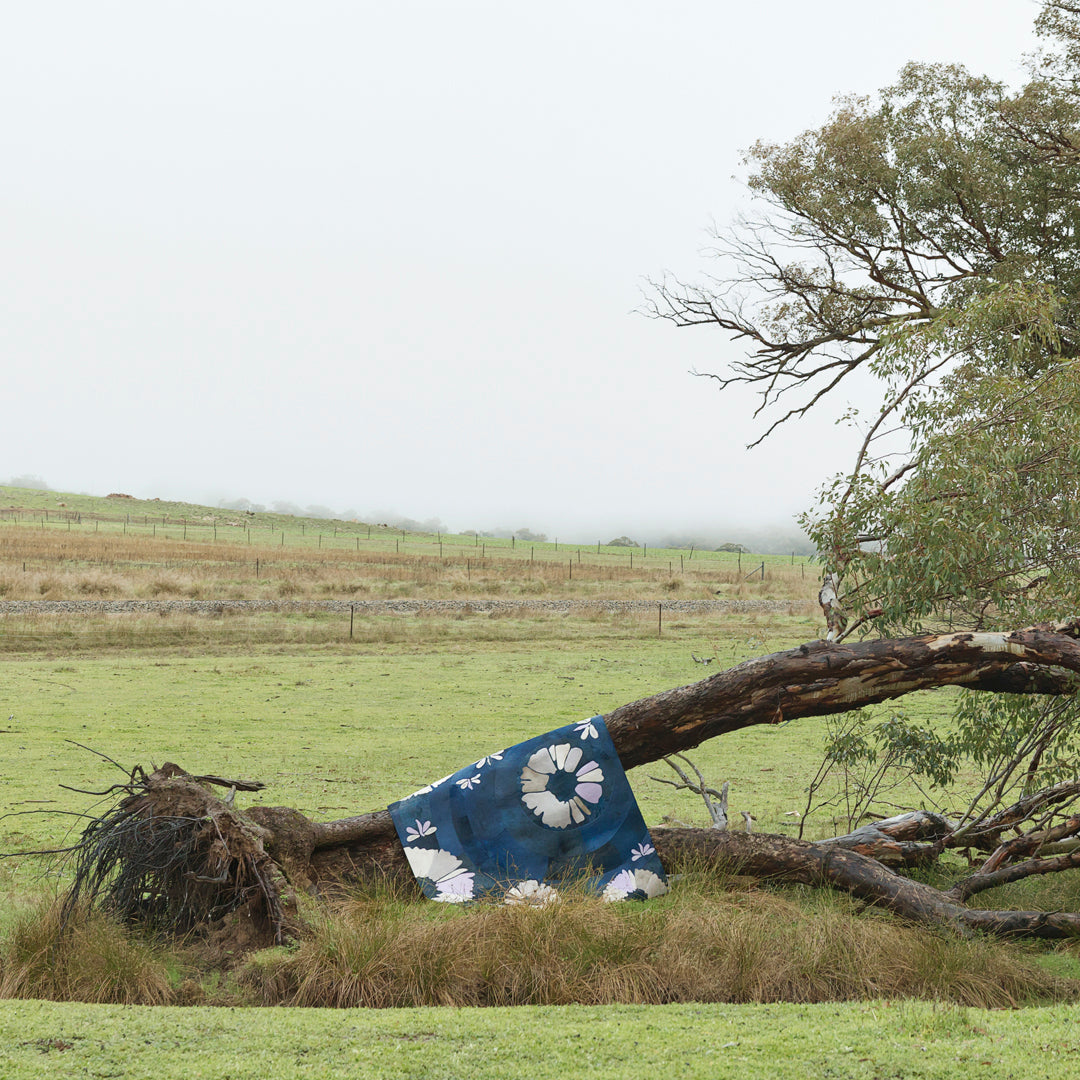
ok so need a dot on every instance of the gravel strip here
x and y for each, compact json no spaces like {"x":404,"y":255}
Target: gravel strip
{"x":379,"y":607}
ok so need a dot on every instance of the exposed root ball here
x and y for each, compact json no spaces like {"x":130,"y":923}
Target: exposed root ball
{"x":175,"y":857}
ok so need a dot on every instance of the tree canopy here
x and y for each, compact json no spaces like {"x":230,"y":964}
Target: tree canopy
{"x":929,"y":236}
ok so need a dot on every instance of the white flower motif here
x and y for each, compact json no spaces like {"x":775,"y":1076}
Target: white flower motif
{"x":423,"y":828}
{"x":533,"y":893}
{"x":627,"y":882}
{"x":586,"y":729}
{"x":431,"y":787}
{"x":469,"y":782}
{"x":642,"y":850}
{"x":488,"y":760}
{"x":452,"y":881}
{"x":543,"y":767}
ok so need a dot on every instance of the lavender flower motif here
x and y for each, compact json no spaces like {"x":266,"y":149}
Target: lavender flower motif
{"x":423,"y":828}
{"x":580,"y":785}
{"x":469,"y":782}
{"x":488,"y":760}
{"x":455,"y":890}
{"x":643,"y":849}
{"x":586,"y":730}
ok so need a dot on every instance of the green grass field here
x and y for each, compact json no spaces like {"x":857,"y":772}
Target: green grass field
{"x":909,"y":1040}
{"x":339,"y":730}
{"x":337,"y":726}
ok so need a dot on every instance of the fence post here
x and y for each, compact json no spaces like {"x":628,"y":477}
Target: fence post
{"x":352,"y":613}
{"x":659,"y":620}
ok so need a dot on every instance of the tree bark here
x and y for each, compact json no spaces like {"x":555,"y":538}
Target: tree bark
{"x":907,"y":840}
{"x":815,"y":679}
{"x":782,"y":859}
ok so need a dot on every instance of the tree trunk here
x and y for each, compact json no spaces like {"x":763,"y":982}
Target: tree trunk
{"x":812,"y":680}
{"x":816,"y":679}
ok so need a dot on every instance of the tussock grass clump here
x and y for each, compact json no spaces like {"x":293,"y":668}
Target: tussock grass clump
{"x":86,"y":957}
{"x":702,"y":943}
{"x":93,"y":585}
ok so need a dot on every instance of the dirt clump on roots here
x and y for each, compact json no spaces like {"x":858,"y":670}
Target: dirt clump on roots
{"x":175,"y":857}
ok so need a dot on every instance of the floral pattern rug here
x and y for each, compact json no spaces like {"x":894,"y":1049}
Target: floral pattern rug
{"x":520,"y":825}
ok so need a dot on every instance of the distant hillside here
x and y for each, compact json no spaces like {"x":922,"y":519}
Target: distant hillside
{"x":776,"y":540}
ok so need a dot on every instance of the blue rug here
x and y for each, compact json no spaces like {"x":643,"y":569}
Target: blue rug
{"x":519,"y":825}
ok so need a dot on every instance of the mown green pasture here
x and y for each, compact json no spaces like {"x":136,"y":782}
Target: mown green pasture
{"x":860,"y":1041}
{"x":339,"y":729}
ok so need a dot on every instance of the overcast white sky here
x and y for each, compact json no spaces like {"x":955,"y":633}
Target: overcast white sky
{"x":384,"y":255}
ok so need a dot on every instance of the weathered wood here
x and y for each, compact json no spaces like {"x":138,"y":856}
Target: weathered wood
{"x":822,"y":678}
{"x":815,"y":679}
{"x":906,"y":840}
{"x":980,"y":882}
{"x":782,"y":859}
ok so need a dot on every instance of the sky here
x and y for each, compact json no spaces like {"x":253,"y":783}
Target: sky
{"x":387,"y":256}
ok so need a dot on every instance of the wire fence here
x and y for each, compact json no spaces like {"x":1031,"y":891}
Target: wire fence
{"x":346,"y":538}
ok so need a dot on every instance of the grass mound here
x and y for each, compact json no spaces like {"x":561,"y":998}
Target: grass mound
{"x":703,"y":943}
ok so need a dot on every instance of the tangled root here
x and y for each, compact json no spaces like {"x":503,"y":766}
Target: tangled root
{"x":174,"y":857}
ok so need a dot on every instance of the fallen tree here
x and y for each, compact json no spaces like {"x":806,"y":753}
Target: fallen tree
{"x":174,"y":854}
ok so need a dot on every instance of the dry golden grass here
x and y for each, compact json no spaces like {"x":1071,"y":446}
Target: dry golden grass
{"x":89,"y":959}
{"x":711,"y":940}
{"x":56,"y":564}
{"x":703,"y":943}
